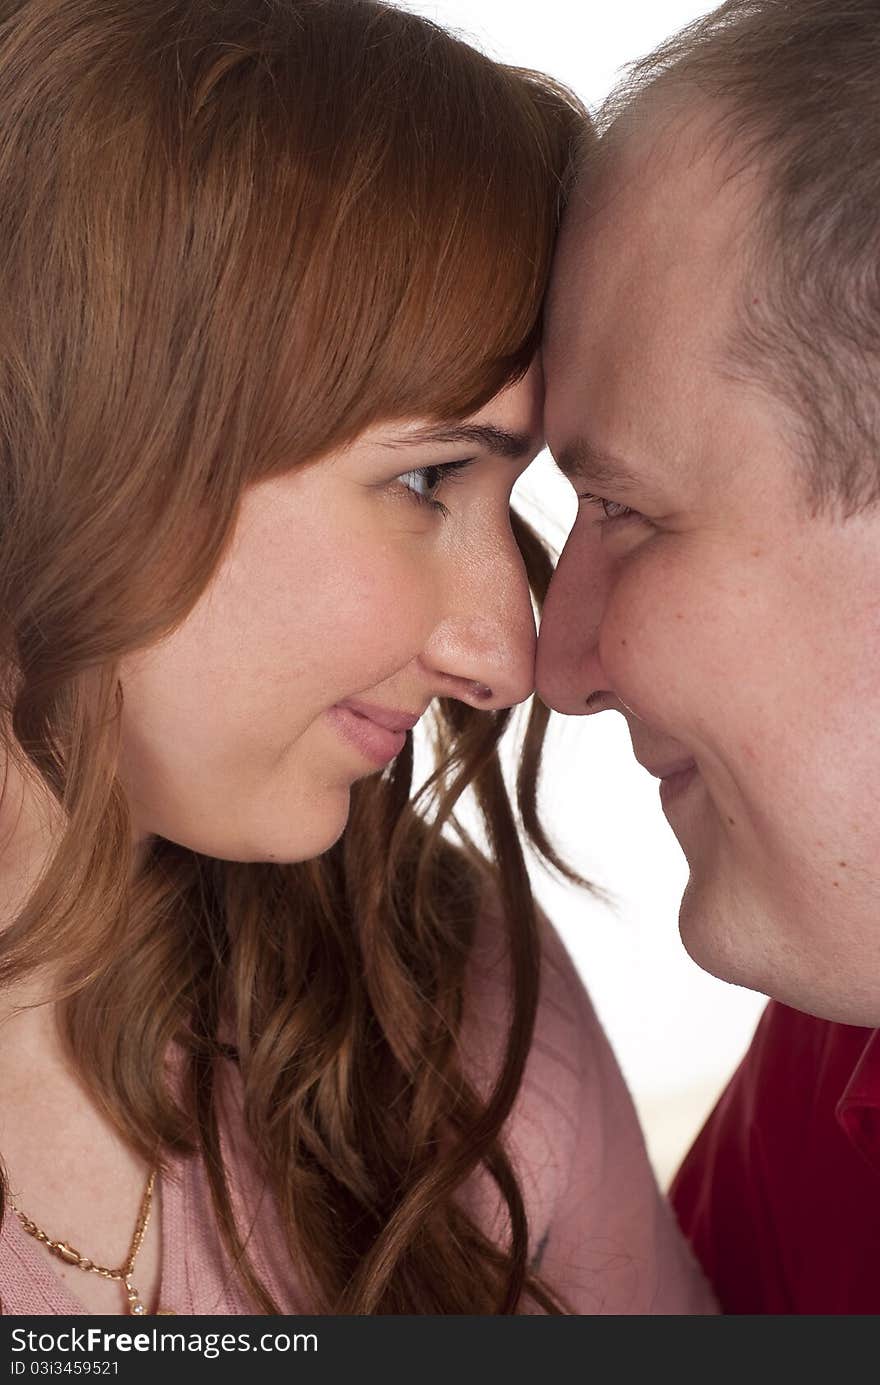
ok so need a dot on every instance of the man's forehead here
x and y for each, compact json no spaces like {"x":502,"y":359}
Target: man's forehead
{"x":645,"y":303}
{"x":652,"y":249}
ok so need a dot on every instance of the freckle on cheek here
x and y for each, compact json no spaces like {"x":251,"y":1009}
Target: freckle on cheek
{"x":731,"y":821}
{"x":842,"y":865}
{"x":756,"y":552}
{"x":623,"y":644}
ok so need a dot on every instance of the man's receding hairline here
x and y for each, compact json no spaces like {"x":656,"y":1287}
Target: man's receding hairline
{"x":796,"y":99}
{"x":639,"y":135}
{"x":690,"y":131}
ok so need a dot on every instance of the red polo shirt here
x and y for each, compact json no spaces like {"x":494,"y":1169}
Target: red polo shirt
{"x":780,"y":1194}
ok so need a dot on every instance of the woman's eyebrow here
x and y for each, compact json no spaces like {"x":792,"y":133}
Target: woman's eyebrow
{"x":499,"y":441}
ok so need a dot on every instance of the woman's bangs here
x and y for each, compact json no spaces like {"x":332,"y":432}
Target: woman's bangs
{"x":418,"y":292}
{"x":463,"y":335}
{"x":470,"y":286}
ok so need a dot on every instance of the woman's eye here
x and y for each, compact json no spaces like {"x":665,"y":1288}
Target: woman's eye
{"x":612,"y":510}
{"x":424,"y":482}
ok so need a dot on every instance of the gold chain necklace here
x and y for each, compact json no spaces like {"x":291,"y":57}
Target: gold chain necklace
{"x":70,"y":1256}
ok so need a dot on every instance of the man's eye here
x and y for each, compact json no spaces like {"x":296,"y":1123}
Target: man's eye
{"x":424,"y":483}
{"x":612,"y":510}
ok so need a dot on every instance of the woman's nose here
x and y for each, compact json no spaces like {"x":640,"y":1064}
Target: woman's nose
{"x":568,"y":668}
{"x":484,"y":646}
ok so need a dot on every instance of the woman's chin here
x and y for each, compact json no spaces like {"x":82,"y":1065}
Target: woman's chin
{"x":301,"y":834}
{"x":309,"y":836}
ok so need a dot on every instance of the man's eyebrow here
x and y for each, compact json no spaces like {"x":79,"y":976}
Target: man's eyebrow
{"x":487,"y":436}
{"x":581,"y":461}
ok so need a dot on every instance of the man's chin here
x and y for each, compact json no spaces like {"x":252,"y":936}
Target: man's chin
{"x":716,"y":939}
{"x":733,"y":938}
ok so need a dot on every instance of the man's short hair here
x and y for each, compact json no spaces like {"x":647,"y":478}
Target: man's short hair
{"x":795,"y":87}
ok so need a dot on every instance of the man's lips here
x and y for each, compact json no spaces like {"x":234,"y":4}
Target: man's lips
{"x":676,"y":776}
{"x":670,"y":769}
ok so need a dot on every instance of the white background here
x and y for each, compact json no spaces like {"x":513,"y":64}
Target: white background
{"x":678,"y":1033}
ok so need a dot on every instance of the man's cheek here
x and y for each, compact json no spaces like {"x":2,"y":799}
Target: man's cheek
{"x":667,"y":659}
{"x":629,"y":663}
{"x":642,"y":646}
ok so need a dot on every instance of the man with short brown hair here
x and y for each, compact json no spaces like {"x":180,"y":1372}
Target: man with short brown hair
{"x":713,"y":392}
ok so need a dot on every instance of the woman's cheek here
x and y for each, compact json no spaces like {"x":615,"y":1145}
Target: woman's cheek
{"x":376,"y":612}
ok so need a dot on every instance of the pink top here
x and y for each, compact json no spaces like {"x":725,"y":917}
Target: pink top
{"x":601,"y":1230}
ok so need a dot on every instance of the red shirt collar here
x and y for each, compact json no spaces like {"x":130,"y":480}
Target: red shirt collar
{"x":858,"y":1110}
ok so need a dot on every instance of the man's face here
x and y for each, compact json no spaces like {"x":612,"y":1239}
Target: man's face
{"x":737,"y":632}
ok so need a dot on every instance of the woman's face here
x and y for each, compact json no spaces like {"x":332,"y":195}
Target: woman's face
{"x":345,"y":580}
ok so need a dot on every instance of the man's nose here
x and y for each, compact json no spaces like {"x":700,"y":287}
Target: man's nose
{"x":484,"y":646}
{"x":568,"y":671}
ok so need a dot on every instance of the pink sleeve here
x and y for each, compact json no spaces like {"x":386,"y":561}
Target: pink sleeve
{"x":602,"y":1234}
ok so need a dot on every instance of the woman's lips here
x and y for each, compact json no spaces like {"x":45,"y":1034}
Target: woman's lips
{"x":389,"y":717}
{"x":375,"y":743}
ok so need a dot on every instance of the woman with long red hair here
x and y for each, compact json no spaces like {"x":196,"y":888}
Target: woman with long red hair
{"x":277,"y":1035}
